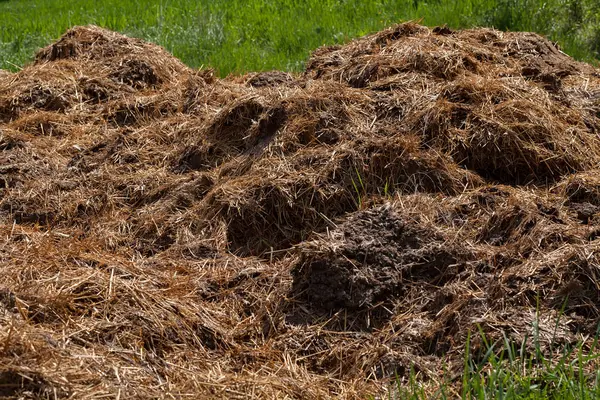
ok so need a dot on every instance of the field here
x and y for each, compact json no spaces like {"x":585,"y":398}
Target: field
{"x":411,"y":214}
{"x":256,"y":35}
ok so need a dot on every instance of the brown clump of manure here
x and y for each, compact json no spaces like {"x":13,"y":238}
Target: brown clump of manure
{"x":166,"y":233}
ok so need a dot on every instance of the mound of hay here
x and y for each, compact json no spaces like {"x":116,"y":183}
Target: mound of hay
{"x":169,"y":234}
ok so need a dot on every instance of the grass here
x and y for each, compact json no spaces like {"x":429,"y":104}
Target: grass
{"x":516,"y":371}
{"x":235,"y":36}
{"x":510,"y":373}
{"x":516,"y":375}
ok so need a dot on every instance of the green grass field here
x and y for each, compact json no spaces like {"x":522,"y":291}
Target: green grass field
{"x":234,"y":36}
{"x":505,"y":370}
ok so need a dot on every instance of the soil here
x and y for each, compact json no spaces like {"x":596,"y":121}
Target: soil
{"x":370,"y":259}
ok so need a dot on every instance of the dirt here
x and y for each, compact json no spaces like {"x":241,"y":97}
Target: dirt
{"x":369,"y":259}
{"x":166,"y":233}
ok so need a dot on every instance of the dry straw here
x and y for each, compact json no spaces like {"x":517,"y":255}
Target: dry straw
{"x":168,"y":234}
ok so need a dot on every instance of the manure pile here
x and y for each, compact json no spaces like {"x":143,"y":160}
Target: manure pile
{"x":169,"y":234}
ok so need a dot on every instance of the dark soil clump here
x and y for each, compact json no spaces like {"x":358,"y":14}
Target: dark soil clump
{"x":370,"y":259}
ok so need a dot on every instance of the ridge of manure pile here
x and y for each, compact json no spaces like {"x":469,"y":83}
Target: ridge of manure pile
{"x":165,"y":233}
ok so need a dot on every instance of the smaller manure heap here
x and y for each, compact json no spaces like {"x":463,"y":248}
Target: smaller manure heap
{"x":168,"y":234}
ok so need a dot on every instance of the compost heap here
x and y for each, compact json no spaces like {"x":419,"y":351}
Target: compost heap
{"x":165,"y":233}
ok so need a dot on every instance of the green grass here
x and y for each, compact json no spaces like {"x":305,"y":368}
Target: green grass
{"x":517,"y":371}
{"x":235,"y":36}
{"x":513,"y":375}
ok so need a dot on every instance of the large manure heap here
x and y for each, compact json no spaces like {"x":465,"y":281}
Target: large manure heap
{"x":165,"y":233}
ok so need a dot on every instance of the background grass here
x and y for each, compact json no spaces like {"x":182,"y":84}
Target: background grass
{"x":235,"y":36}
